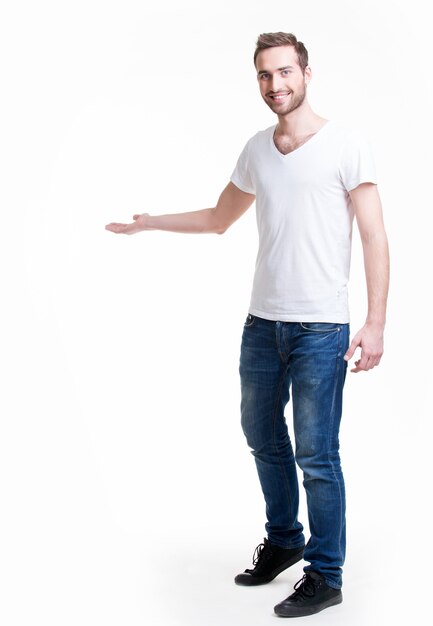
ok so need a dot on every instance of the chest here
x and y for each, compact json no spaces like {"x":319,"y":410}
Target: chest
{"x":285,"y":145}
{"x":278,"y":178}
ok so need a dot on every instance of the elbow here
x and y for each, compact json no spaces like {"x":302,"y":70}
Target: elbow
{"x":218,"y":226}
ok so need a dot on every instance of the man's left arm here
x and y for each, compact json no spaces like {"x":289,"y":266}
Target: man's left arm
{"x":368,"y":212}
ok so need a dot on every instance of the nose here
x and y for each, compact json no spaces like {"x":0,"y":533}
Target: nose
{"x":275,"y":82}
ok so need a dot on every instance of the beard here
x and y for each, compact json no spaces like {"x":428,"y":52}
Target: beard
{"x":295,"y":102}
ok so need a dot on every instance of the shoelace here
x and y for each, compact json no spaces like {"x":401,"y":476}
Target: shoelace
{"x":258,"y":553}
{"x":304,"y":588}
{"x":260,"y":556}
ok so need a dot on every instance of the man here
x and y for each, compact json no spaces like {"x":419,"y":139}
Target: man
{"x":310,"y":177}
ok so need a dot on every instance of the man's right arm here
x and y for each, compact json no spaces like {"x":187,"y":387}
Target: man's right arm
{"x":231,"y":204}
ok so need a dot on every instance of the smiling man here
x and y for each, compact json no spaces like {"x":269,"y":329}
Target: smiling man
{"x":282,"y":99}
{"x":310,"y":177}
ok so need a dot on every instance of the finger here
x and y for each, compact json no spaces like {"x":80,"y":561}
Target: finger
{"x":369,"y":364}
{"x":351,"y":351}
{"x":116,"y":228}
{"x":364,"y":364}
{"x":136,"y":216}
{"x":373,"y":361}
{"x":376,"y":358}
{"x":356,"y":368}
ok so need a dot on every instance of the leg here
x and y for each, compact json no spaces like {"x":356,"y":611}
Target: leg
{"x":318,"y":374}
{"x":265,"y":393}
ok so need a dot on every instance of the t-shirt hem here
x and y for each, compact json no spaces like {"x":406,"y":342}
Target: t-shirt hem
{"x":332,"y":318}
{"x":241,"y":186}
{"x":365,"y":179}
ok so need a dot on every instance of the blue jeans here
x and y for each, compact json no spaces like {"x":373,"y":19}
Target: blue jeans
{"x":306,"y":361}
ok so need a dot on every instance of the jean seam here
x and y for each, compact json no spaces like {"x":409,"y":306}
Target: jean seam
{"x":331,"y":428}
{"x":274,"y":421}
{"x":278,"y":335}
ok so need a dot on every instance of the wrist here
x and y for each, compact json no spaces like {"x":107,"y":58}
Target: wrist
{"x":146,"y":222}
{"x":376,"y":323}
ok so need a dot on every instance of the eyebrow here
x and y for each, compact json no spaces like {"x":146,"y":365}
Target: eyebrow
{"x":286,"y":67}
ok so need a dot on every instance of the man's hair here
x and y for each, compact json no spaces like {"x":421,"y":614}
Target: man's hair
{"x":274,"y":40}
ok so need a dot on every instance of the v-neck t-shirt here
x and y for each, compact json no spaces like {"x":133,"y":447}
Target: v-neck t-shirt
{"x":304,"y":218}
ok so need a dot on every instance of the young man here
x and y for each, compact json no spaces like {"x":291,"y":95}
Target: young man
{"x":310,"y":177}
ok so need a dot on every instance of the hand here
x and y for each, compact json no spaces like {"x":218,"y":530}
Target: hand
{"x":136,"y":226}
{"x":370,"y":340}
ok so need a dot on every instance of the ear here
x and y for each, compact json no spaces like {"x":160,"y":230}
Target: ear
{"x":308,"y":74}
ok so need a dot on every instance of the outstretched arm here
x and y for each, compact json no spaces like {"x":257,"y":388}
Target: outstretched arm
{"x":231,"y":205}
{"x":368,"y":211}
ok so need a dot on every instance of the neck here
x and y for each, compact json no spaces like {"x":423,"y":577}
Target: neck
{"x":299,"y":122}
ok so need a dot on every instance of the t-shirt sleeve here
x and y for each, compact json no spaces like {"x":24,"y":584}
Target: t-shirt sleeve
{"x":241,"y":176}
{"x":357,"y":162}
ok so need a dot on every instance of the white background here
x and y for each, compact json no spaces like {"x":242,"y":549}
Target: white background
{"x":128,"y":494}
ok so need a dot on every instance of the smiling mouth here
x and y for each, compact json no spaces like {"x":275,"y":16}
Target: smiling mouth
{"x":278,"y":97}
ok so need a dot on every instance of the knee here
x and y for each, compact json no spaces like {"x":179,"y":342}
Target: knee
{"x":254,"y":435}
{"x":264,"y":437}
{"x":252,"y":422}
{"x":318,"y":463}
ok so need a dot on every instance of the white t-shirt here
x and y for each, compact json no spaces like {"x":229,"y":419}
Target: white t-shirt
{"x":304,"y":218}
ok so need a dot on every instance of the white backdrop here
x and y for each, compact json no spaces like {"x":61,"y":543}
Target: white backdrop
{"x":128,"y":495}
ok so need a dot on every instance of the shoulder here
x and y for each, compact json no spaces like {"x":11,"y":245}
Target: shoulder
{"x":342,"y":130}
{"x":347,"y":133}
{"x":260,"y":139}
{"x":349,"y":140}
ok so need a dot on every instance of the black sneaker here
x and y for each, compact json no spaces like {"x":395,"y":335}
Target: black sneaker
{"x":269,"y":561}
{"x":312,"y":595}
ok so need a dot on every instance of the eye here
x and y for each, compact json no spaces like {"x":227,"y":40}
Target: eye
{"x":285,"y":72}
{"x":264,"y":76}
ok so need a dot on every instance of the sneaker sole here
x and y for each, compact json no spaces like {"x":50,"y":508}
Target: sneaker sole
{"x":293,"y":611}
{"x":248,"y":580}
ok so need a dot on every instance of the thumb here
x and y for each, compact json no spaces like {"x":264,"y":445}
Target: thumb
{"x":349,"y":354}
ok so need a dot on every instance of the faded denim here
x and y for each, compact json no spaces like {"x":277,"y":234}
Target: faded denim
{"x":304,"y":361}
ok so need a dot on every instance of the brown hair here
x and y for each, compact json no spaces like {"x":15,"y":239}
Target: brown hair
{"x":273,"y":40}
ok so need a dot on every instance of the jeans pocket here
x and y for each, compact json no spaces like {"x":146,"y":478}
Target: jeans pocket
{"x":321,"y":327}
{"x":249,"y":321}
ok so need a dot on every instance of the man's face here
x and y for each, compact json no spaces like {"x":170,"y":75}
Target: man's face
{"x":281,"y":81}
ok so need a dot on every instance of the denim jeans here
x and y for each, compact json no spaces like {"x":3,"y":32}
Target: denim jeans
{"x":304,"y":360}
